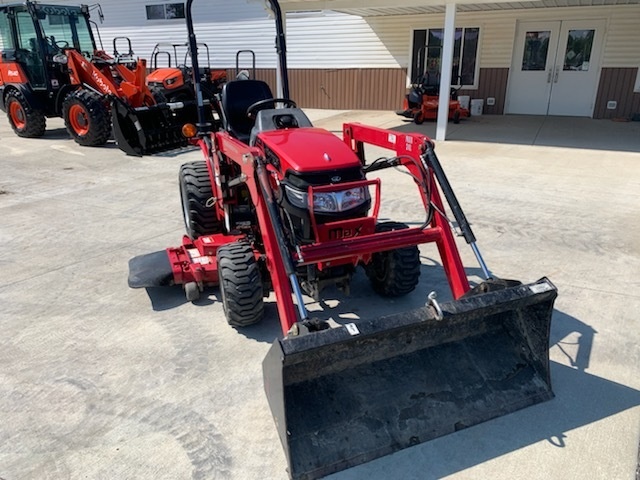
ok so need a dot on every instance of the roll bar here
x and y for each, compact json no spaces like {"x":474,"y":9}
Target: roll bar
{"x":281,"y":50}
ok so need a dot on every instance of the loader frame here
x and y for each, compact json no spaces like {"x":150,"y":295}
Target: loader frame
{"x":195,"y":261}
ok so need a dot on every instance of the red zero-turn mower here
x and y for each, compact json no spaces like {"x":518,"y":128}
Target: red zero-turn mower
{"x":278,"y":205}
{"x":423,"y":100}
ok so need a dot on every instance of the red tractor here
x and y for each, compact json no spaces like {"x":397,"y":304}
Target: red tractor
{"x":278,"y":205}
{"x":50,"y":67}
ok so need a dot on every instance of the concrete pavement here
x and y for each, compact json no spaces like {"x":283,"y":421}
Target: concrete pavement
{"x":99,"y":381}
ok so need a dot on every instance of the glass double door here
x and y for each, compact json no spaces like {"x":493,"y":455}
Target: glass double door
{"x":555,"y":68}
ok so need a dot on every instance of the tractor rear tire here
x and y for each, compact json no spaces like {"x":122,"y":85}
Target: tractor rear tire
{"x":241,"y":286}
{"x":196,"y":195}
{"x":396,"y":272}
{"x":25,"y":121}
{"x":418,"y":118}
{"x":87,"y":118}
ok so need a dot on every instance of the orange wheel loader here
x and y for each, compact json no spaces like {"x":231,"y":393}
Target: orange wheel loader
{"x":50,"y":67}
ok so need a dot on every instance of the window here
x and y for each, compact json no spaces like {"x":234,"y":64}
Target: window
{"x":427,"y":55}
{"x":578,"y":52}
{"x":165,"y":11}
{"x":536,"y":47}
{"x":28,"y":52}
{"x":6,"y":42}
{"x":68,"y":27}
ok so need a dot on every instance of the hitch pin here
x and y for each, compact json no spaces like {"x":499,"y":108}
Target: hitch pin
{"x":436,"y":306}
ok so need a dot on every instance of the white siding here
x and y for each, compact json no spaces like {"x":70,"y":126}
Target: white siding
{"x":335,"y":40}
{"x":622,"y":48}
{"x":497,"y":30}
{"x":226,"y":26}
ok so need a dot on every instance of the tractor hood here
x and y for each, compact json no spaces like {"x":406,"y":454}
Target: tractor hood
{"x":309,"y":149}
{"x":161,"y":75}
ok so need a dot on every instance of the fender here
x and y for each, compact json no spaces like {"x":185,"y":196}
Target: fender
{"x":31,"y":99}
{"x":61,"y":95}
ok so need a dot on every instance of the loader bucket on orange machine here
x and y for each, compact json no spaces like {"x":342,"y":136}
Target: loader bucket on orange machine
{"x":344,"y":396}
{"x":151,"y":129}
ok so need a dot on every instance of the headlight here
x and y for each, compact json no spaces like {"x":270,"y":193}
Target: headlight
{"x":170,"y":81}
{"x":297,"y":197}
{"x":329,"y":202}
{"x":60,"y":58}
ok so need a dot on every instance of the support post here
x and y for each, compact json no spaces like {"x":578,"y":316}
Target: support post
{"x":445,"y":71}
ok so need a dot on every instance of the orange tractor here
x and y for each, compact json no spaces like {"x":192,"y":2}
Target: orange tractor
{"x":175,"y":80}
{"x":50,"y":67}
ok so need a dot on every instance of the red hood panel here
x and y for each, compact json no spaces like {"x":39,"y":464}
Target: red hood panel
{"x":309,"y":149}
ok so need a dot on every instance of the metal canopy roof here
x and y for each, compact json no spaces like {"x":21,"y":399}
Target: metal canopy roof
{"x":373,"y":8}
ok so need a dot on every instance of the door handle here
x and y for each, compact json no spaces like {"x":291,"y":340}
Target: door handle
{"x":549,"y":75}
{"x":555,"y":77}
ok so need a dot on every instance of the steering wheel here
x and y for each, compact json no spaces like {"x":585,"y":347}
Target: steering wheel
{"x":57,"y":45}
{"x":259,"y":105}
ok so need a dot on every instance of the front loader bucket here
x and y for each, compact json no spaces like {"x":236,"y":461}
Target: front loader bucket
{"x":341,"y":397}
{"x":146,"y":130}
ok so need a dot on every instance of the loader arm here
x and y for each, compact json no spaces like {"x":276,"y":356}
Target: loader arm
{"x":98,"y":75}
{"x":248,"y":159}
{"x":413,"y":145}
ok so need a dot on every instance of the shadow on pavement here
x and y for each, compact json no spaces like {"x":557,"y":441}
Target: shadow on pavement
{"x":581,"y":398}
{"x":567,"y":132}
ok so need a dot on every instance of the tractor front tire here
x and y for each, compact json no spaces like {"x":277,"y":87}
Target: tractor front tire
{"x":241,"y":286}
{"x":396,"y":272}
{"x":26,"y":121}
{"x":87,"y":118}
{"x":196,"y":194}
{"x":418,"y":118}
{"x":456,"y":117}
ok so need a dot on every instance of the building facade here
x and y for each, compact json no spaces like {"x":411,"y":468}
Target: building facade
{"x":540,"y":58}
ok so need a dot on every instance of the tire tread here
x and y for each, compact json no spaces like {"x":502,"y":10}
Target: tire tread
{"x":241,"y":280}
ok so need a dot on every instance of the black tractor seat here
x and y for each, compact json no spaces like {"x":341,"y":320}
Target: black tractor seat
{"x":237,"y":96}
